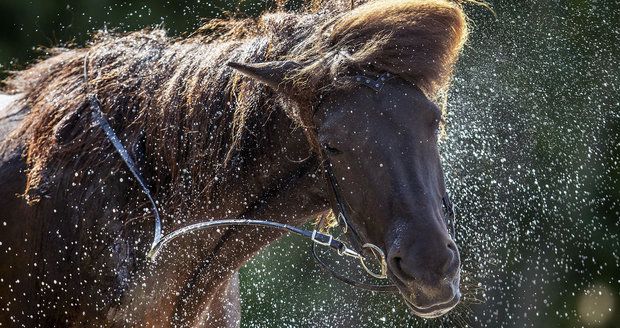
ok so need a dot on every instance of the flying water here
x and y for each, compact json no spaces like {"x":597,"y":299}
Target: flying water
{"x":532,"y":159}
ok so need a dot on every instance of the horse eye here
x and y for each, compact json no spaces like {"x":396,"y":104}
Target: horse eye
{"x":331,"y":150}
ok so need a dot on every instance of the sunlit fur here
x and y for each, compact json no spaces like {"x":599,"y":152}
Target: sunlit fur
{"x":194,"y":118}
{"x":417,"y":40}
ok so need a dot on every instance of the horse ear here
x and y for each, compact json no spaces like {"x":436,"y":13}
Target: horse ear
{"x":271,"y":73}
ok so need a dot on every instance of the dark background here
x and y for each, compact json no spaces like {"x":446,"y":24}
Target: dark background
{"x":532,"y":155}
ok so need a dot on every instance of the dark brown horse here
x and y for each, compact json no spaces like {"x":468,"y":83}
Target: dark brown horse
{"x":213,"y":141}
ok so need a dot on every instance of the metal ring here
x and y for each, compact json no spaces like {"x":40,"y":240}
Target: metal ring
{"x":378,"y":253}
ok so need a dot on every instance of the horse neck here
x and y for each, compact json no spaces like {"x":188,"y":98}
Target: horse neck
{"x":283,"y":184}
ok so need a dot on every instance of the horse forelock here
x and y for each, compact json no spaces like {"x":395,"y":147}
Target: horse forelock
{"x":177,"y":99}
{"x":418,"y":40}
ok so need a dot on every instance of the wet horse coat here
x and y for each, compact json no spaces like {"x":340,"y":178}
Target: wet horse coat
{"x":213,"y":142}
{"x":182,"y":284}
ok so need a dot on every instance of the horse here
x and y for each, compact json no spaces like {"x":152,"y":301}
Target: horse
{"x":238,"y":120}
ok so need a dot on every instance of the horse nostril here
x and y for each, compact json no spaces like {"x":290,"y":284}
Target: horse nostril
{"x":448,"y":263}
{"x":452,"y":260}
{"x":396,"y":263}
{"x":452,"y":247}
{"x":425,"y":263}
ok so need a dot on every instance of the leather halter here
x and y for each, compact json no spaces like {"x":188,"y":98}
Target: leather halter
{"x":317,"y":237}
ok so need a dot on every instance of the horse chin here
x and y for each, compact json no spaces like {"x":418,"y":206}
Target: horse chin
{"x":434,"y":311}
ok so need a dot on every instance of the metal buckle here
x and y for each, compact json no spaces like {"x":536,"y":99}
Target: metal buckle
{"x":345,"y":251}
{"x":376,"y":251}
{"x":314,"y":239}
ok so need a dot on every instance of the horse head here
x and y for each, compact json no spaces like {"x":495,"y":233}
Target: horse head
{"x":379,"y":137}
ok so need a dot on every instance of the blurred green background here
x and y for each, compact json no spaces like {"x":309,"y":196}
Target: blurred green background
{"x":532,"y":155}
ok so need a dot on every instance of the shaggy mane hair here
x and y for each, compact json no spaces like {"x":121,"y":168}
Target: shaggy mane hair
{"x":177,"y":100}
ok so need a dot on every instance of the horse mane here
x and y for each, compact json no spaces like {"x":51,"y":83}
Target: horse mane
{"x":199,"y":120}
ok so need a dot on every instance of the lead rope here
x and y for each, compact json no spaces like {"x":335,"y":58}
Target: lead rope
{"x":159,"y":241}
{"x":98,"y":117}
